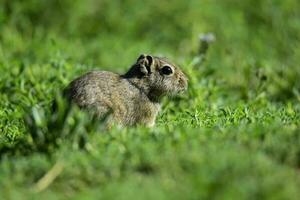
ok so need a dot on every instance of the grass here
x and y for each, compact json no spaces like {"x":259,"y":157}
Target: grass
{"x":233,"y":135}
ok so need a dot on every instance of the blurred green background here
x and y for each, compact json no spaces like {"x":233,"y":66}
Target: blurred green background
{"x":233,"y":135}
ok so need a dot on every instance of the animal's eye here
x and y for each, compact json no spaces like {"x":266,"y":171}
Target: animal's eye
{"x":167,"y":70}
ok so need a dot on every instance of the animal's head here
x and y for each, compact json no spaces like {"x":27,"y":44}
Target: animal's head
{"x":162,"y":76}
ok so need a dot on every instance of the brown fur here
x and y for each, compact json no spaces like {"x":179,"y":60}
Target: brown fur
{"x":132,"y":98}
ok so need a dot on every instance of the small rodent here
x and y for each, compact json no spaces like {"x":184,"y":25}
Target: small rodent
{"x":132,"y":98}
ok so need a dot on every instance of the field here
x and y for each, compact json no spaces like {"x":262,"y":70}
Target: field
{"x":235,"y":134}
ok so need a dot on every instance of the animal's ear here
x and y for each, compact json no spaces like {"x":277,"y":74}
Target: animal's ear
{"x":142,"y":56}
{"x":145,"y":62}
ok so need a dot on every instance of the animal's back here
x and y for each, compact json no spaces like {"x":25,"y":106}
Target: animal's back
{"x":93,"y":90}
